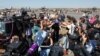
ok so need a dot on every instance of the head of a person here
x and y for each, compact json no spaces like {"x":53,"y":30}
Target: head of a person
{"x":76,"y":29}
{"x":82,"y":20}
{"x":97,"y":16}
{"x":64,"y":31}
{"x":37,"y":22}
{"x":68,"y":22}
{"x":97,"y":25}
{"x":46,"y":18}
{"x":71,"y":19}
{"x":55,"y":16}
{"x":86,"y":36}
{"x":33,"y":16}
{"x":14,"y":38}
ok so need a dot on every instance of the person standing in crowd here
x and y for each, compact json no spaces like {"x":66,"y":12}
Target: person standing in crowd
{"x":38,"y":40}
{"x":71,"y":26}
{"x":46,"y":45}
{"x":64,"y":40}
{"x":36,"y":27}
{"x":46,"y":23}
{"x":61,"y":15}
{"x":82,"y":24}
{"x":87,"y":46}
{"x":56,"y":28}
{"x":92,"y":20}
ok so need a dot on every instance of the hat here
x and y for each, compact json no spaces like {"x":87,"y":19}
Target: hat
{"x":84,"y":15}
{"x":45,"y":17}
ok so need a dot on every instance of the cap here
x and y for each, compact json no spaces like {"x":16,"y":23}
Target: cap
{"x":45,"y":17}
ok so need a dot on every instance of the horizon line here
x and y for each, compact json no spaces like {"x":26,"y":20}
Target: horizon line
{"x":46,"y":7}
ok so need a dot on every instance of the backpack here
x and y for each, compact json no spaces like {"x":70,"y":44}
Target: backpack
{"x":33,"y":48}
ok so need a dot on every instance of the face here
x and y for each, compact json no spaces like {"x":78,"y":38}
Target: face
{"x":68,"y":22}
{"x":97,"y":25}
{"x":33,"y":16}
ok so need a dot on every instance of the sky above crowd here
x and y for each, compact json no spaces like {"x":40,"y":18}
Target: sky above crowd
{"x":50,"y":3}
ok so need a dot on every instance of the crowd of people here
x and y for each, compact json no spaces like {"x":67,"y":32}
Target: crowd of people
{"x":50,"y":34}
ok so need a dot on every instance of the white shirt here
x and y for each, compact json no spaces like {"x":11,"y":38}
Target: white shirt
{"x":71,"y":28}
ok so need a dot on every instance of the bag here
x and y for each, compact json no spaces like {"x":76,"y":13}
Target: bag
{"x":56,"y":51}
{"x":33,"y":48}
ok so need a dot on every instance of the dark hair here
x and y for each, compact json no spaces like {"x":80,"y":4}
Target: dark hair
{"x":97,"y":16}
{"x":74,"y":20}
{"x":38,"y":21}
{"x":24,"y":13}
{"x":70,"y":18}
{"x":87,"y":36}
{"x":82,"y":19}
{"x":67,"y":28}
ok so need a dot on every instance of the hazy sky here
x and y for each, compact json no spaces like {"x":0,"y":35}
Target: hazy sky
{"x":49,"y":3}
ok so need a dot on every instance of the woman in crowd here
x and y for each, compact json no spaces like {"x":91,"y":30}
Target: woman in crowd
{"x":64,"y":40}
{"x":56,"y":28}
{"x":46,"y":45}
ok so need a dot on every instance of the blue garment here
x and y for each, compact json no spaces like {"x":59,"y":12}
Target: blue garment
{"x":89,"y":47}
{"x":40,"y":36}
{"x":94,"y":44}
{"x":62,"y":17}
{"x":56,"y":21}
{"x":2,"y":27}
